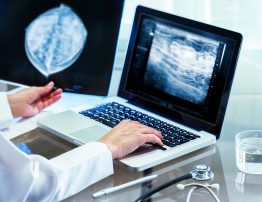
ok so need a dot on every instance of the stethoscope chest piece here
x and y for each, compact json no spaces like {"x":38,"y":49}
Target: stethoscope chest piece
{"x":202,"y":172}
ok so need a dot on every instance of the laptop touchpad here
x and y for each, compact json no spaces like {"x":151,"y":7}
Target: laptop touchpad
{"x":92,"y":133}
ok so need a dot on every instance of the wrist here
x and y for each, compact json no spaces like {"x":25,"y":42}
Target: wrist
{"x":12,"y":105}
{"x":111,"y":148}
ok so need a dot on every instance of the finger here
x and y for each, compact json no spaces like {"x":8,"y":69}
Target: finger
{"x":128,"y":123}
{"x":131,"y":122}
{"x":51,"y":95}
{"x":147,"y":130}
{"x":51,"y":100}
{"x":48,"y":87}
{"x":47,"y":101}
{"x":39,"y":105}
{"x":153,"y":138}
{"x":56,"y":92}
{"x":40,"y":91}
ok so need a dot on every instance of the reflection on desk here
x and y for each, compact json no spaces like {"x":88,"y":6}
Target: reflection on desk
{"x":248,"y":183}
{"x":167,"y":171}
{"x":41,"y":142}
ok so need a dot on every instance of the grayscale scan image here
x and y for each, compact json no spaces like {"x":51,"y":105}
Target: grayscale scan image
{"x":70,"y":42}
{"x":55,"y":40}
{"x":181,"y":63}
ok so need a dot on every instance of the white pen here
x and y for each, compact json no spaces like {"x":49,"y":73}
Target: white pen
{"x":123,"y":186}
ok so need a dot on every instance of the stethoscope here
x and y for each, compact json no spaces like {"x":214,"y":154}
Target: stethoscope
{"x":200,"y":173}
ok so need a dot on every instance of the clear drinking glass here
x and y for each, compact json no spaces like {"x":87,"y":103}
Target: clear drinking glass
{"x":249,"y":151}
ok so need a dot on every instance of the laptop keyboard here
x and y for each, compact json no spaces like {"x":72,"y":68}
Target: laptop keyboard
{"x":112,"y":113}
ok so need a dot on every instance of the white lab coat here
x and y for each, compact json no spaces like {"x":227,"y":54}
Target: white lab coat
{"x":34,"y":178}
{"x":5,"y":111}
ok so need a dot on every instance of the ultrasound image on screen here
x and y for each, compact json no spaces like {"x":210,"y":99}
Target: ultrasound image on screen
{"x":180,"y":63}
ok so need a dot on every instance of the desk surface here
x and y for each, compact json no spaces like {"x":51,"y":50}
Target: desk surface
{"x":243,"y":112}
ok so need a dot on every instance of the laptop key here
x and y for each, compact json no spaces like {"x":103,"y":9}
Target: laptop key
{"x":170,"y":144}
{"x":157,"y":146}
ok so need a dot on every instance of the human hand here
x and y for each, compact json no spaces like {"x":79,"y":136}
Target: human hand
{"x":28,"y":102}
{"x":127,"y":136}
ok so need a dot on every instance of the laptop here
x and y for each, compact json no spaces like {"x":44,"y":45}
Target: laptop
{"x":176,"y":78}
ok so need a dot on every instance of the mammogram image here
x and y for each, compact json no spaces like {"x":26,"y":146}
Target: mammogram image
{"x":55,"y":40}
{"x":181,"y":63}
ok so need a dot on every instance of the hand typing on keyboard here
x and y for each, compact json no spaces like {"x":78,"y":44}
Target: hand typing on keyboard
{"x":113,"y":113}
{"x":128,"y":135}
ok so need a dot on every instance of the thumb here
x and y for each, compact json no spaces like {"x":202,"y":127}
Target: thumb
{"x":45,"y":89}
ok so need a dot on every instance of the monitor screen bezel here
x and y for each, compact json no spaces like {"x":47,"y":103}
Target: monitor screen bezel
{"x":213,"y":126}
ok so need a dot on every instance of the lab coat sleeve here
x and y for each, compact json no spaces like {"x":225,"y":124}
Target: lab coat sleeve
{"x":6,"y":116}
{"x":34,"y":178}
{"x":80,"y":168}
{"x":15,"y":172}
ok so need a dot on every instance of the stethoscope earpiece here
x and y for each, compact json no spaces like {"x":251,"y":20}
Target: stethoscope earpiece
{"x":214,"y":186}
{"x":181,"y":186}
{"x":208,"y":187}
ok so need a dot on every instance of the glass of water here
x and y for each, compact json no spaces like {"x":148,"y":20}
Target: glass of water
{"x":249,"y":151}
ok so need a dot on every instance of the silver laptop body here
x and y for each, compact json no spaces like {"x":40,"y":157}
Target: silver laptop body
{"x":177,"y":71}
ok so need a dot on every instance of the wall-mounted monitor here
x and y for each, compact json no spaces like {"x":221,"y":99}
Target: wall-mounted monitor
{"x":70,"y":42}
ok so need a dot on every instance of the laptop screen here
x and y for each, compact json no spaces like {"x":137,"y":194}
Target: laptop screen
{"x":179,"y":67}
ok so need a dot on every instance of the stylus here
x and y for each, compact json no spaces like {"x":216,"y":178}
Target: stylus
{"x":123,"y":186}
